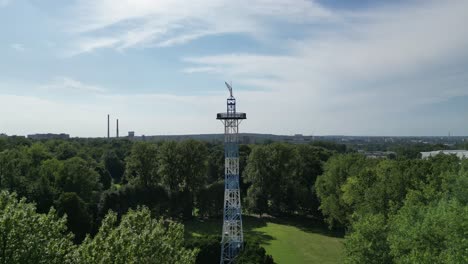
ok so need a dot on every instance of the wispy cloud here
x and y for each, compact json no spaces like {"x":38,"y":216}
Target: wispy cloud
{"x":167,"y":22}
{"x":4,"y":3}
{"x":91,"y":44}
{"x":18,"y":46}
{"x":352,"y":72}
{"x":67,"y":85}
{"x":398,"y":56}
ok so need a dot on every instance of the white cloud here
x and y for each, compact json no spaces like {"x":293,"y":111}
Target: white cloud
{"x":68,"y":85}
{"x":359,"y":73}
{"x":170,"y":22}
{"x":91,"y":44}
{"x":395,"y":60}
{"x":17,"y":46}
{"x":4,"y":3}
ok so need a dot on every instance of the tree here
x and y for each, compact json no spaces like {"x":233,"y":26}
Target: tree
{"x":329,"y":187}
{"x":332,"y":146}
{"x":367,"y":243}
{"x":408,"y":211}
{"x":434,"y":233}
{"x":45,"y":188}
{"x":211,"y":200}
{"x":209,"y":249}
{"x":215,"y":165}
{"x":272,"y":173}
{"x":38,"y":153}
{"x":79,"y":177}
{"x":114,"y":165}
{"x":131,"y":196}
{"x":253,"y":253}
{"x":79,"y":221}
{"x":14,"y":168}
{"x":256,"y":173}
{"x":142,"y":165}
{"x":105,"y":177}
{"x":309,"y":166}
{"x":66,"y":150}
{"x":29,"y":237}
{"x":183,"y":173}
{"x":137,"y":239}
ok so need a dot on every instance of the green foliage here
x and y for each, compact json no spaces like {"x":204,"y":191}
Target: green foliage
{"x":114,"y":165}
{"x":208,"y":246}
{"x":38,"y":152}
{"x":329,"y":187}
{"x":281,"y":178}
{"x":131,"y":196}
{"x":434,"y":233}
{"x":79,"y":220}
{"x":367,"y":243}
{"x":309,"y":166}
{"x":215,"y":163}
{"x":253,"y":253}
{"x":66,"y":150}
{"x":403,"y":211}
{"x":331,"y":146}
{"x":210,"y":253}
{"x":29,"y":237}
{"x":183,"y":173}
{"x":137,"y":239}
{"x":14,"y":167}
{"x":256,"y":174}
{"x":142,"y":165}
{"x":287,"y":240}
{"x":413,"y":151}
{"x":272,"y":173}
{"x":105,"y":177}
{"x":378,"y":188}
{"x":79,"y":177}
{"x":211,"y":200}
{"x":183,"y":165}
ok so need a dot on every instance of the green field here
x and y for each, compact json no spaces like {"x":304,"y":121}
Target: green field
{"x":289,"y":241}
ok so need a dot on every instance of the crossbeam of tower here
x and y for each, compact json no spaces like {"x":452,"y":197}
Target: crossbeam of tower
{"x":232,"y":235}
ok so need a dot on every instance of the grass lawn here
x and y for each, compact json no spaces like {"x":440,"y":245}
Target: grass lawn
{"x":289,"y":241}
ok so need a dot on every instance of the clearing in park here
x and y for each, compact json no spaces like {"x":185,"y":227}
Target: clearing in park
{"x":289,"y":241}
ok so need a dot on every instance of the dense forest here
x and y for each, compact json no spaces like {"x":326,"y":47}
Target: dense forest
{"x":119,"y":201}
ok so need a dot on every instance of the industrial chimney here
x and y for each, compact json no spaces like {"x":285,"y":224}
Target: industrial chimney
{"x":117,"y":128}
{"x":108,"y":126}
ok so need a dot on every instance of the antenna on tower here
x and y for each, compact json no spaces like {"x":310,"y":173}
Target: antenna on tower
{"x":229,"y":88}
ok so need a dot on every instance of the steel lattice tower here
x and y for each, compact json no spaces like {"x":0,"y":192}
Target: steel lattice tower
{"x":232,"y":236}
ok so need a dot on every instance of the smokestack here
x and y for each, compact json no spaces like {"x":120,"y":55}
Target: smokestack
{"x":108,"y":126}
{"x":117,"y":128}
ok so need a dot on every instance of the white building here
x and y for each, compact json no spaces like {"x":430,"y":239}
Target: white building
{"x":459,"y":153}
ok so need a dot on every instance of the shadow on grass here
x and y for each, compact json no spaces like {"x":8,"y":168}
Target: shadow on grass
{"x":309,"y":225}
{"x":251,"y":224}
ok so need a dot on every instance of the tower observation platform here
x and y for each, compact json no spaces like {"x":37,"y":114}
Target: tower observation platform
{"x":232,"y":235}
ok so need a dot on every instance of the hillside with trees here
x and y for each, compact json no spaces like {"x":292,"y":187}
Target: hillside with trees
{"x":119,"y":201}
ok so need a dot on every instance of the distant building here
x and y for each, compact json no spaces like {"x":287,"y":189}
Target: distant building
{"x":245,"y":140}
{"x":378,"y":154}
{"x":459,"y":153}
{"x":49,"y":136}
{"x":131,"y":134}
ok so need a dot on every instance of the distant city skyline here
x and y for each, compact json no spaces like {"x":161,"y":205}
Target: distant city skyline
{"x":390,"y":68}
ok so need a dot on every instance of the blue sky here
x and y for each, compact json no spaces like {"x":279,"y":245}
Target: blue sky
{"x":297,"y":66}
